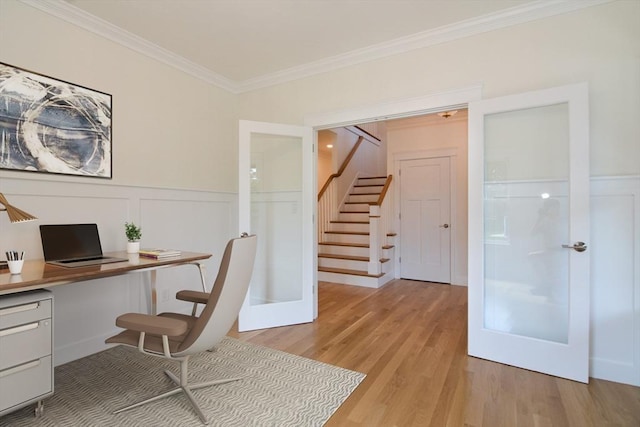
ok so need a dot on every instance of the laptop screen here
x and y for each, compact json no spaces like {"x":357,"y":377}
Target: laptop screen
{"x":70,"y":241}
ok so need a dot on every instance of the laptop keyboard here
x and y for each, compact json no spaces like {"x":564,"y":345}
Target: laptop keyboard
{"x":80,"y":260}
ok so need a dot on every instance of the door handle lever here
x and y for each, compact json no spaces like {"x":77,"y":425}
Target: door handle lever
{"x":578,"y":246}
{"x":444,"y":226}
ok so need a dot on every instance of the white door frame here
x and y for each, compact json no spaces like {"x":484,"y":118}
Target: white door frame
{"x":398,"y":158}
{"x":406,"y":107}
{"x":401,"y":108}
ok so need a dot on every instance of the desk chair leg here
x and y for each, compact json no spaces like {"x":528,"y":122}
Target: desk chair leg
{"x":152,"y":399}
{"x":184,"y":386}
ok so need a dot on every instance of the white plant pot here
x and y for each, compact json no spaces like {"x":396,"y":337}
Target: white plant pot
{"x":133,"y":247}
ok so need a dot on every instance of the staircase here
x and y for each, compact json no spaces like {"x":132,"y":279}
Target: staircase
{"x":344,"y":252}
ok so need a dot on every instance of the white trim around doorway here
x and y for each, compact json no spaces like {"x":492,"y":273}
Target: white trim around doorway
{"x":401,"y":108}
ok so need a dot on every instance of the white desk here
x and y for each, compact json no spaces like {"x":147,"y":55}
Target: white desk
{"x":26,"y":319}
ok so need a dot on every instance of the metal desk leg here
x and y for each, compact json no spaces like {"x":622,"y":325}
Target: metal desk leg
{"x":194,"y":310}
{"x":152,"y":295}
{"x":202,"y":278}
{"x":154,"y":292}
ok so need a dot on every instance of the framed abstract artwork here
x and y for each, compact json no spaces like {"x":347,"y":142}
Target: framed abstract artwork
{"x":52,"y":126}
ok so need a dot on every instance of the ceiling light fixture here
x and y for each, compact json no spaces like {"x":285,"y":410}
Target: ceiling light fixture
{"x":447,"y":114}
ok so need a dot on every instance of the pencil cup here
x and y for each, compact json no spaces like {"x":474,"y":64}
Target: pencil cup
{"x":15,"y":267}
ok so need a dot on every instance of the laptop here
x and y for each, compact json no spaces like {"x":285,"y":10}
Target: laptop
{"x":73,"y":245}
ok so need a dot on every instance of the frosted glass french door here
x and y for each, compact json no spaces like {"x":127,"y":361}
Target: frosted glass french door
{"x":275,"y":203}
{"x":529,"y":231}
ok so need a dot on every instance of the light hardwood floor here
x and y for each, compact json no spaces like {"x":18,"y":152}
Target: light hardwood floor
{"x":410,"y":339}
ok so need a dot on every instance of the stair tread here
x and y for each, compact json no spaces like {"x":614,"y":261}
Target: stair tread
{"x":347,"y":257}
{"x":365,"y":194}
{"x":350,"y":257}
{"x":347,"y":271}
{"x":372,"y":177}
{"x":368,"y":185}
{"x":356,"y":233}
{"x":355,"y":245}
{"x":360,"y":203}
{"x":349,"y":222}
{"x":354,"y":212}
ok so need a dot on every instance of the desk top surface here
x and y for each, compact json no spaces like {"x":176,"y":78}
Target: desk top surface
{"x":37,"y":274}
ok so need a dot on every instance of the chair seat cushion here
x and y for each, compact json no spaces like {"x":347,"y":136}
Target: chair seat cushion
{"x":153,"y":343}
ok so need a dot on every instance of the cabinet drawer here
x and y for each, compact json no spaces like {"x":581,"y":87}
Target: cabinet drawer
{"x":20,"y":309}
{"x":24,"y":383}
{"x":25,"y":342}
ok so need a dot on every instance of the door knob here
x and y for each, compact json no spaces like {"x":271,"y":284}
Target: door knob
{"x":444,"y":226}
{"x":578,"y":246}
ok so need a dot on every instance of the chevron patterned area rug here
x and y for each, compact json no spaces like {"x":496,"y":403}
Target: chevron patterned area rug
{"x":277,"y":389}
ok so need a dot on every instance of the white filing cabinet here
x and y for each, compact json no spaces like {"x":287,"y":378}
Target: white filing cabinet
{"x":26,"y":350}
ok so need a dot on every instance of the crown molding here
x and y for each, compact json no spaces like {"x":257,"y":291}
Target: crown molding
{"x":82,"y":19}
{"x":482,"y":24}
{"x":512,"y":16}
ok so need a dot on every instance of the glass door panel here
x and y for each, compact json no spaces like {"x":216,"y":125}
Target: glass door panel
{"x":526,"y":208}
{"x":276,"y":198}
{"x":275,"y":203}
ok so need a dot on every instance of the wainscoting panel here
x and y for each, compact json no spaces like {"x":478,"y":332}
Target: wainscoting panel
{"x":85,"y":312}
{"x":203,"y":221}
{"x":615,"y":279}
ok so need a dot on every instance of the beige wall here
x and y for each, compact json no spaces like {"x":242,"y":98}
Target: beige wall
{"x":169,"y":129}
{"x":325,"y":158}
{"x":600,"y":45}
{"x":424,"y":136}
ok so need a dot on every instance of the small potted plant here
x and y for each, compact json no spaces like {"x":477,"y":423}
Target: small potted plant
{"x":133,"y":233}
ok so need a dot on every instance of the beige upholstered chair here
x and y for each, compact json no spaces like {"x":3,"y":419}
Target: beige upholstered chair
{"x":176,"y":336}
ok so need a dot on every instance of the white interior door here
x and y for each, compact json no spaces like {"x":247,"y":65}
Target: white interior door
{"x":276,"y":203}
{"x":425,"y":226}
{"x":528,"y":209}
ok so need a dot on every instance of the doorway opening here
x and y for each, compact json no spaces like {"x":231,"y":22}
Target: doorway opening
{"x":404,"y":108}
{"x":427,"y":156}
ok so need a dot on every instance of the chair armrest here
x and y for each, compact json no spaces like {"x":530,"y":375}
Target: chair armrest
{"x":197,"y":297}
{"x":152,"y":324}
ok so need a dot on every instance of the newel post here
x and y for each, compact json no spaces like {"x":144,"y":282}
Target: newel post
{"x":375,"y":240}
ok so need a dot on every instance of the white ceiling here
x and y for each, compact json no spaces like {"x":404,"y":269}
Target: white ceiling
{"x":245,"y":39}
{"x":241,"y":45}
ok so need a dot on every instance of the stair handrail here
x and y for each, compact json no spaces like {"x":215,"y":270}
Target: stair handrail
{"x":344,"y":165}
{"x":327,"y":197}
{"x":383,"y":193}
{"x":379,"y":221}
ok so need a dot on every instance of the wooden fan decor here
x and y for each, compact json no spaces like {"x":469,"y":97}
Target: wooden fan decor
{"x":15,"y":214}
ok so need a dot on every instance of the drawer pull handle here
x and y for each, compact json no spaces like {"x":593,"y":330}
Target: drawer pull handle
{"x":18,"y":329}
{"x":19,"y":308}
{"x":19,"y":368}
